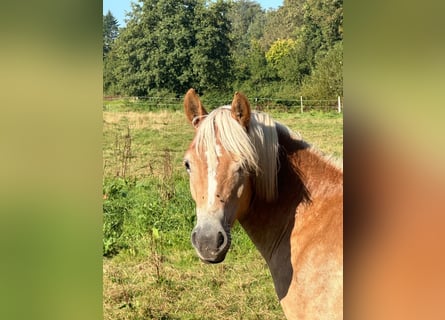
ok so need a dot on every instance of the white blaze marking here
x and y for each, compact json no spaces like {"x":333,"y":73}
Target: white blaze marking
{"x":211,"y":177}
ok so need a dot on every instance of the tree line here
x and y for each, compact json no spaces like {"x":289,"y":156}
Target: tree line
{"x":218,"y":47}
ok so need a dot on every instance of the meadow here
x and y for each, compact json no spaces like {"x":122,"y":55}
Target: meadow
{"x":150,"y":270}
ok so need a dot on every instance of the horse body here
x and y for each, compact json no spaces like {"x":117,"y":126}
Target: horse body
{"x":300,"y":235}
{"x":288,"y":198}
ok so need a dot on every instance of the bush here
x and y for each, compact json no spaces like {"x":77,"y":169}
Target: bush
{"x":326,"y":80}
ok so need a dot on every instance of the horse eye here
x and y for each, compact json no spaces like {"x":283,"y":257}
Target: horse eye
{"x":187,"y":165}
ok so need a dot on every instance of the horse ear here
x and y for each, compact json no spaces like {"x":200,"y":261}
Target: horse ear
{"x":241,"y":109}
{"x":193,"y":108}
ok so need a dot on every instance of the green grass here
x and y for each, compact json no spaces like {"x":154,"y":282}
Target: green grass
{"x":150,"y":268}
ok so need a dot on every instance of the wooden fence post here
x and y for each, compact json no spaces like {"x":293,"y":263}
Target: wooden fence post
{"x":301,"y":104}
{"x":339,"y":104}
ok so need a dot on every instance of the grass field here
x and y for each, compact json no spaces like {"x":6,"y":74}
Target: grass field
{"x":150,"y":270}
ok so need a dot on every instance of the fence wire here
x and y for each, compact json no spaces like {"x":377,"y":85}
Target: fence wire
{"x":150,"y":103}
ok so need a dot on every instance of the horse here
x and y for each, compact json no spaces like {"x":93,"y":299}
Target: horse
{"x":244,"y":166}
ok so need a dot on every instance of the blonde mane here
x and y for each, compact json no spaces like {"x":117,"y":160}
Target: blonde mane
{"x":257,"y":149}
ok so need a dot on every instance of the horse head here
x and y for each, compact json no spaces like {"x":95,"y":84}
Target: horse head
{"x":219,"y":175}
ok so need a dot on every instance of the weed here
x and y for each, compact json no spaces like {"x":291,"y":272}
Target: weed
{"x":167,"y":189}
{"x":156,"y":252}
{"x":122,"y":152}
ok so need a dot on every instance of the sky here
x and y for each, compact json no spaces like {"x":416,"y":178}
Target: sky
{"x":119,"y":7}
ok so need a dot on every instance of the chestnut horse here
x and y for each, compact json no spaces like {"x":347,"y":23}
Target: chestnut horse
{"x":289,"y":199}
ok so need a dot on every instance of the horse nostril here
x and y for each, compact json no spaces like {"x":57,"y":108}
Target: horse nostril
{"x":194,"y":238}
{"x":220,"y":240}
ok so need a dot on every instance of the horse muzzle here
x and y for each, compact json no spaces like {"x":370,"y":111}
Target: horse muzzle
{"x":211,"y":241}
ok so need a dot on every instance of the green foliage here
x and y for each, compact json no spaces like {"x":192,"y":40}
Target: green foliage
{"x":210,"y":55}
{"x":255,"y":76}
{"x":226,"y":46}
{"x":110,"y":28}
{"x":327,"y":78}
{"x":110,"y":79}
{"x":322,"y":27}
{"x":279,"y":50}
{"x":247,"y":19}
{"x":167,"y":46}
{"x":282,"y":23}
{"x":212,"y":99}
{"x":285,"y":56}
{"x":110,"y":33}
{"x":323,"y":22}
{"x":115,"y":209}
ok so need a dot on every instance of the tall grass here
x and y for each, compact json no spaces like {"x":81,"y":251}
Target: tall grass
{"x":150,"y":268}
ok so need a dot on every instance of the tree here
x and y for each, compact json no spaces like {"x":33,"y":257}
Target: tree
{"x":129,"y":52}
{"x":247,"y":20}
{"x":282,"y":23}
{"x":280,"y":49}
{"x":211,"y":56}
{"x":322,"y":27}
{"x":171,"y":40}
{"x":110,"y":80}
{"x":154,"y":48}
{"x":225,"y":45}
{"x":173,"y":45}
{"x":258,"y":74}
{"x":326,"y":80}
{"x":302,"y":58}
{"x":110,"y":29}
{"x":285,"y":57}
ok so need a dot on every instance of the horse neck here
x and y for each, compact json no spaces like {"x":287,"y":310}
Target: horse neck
{"x":267,"y":223}
{"x":303,"y":177}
